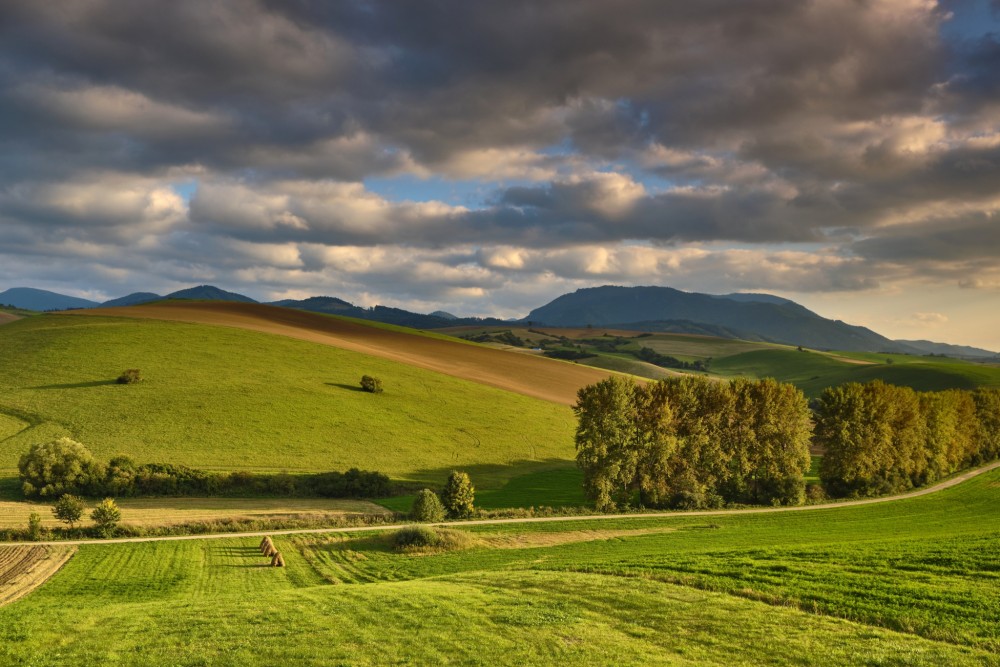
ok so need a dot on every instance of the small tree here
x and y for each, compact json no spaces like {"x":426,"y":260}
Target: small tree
{"x":427,"y":507}
{"x":371,"y":384}
{"x":458,"y":496}
{"x":58,"y":467}
{"x":106,"y":516}
{"x":130,"y":376}
{"x":35,"y":526}
{"x":69,"y":509}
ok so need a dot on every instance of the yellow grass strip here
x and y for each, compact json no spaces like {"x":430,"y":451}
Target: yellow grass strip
{"x":168,"y":511}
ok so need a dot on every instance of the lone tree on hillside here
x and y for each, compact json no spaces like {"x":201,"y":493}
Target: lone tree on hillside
{"x":458,"y":496}
{"x":106,"y":516}
{"x":58,"y":467}
{"x":69,"y":509}
{"x":371,"y":384}
{"x":130,"y":376}
{"x":427,"y":507}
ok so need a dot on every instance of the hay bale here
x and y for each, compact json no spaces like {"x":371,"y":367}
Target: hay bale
{"x":267,"y":546}
{"x":264,"y":540}
{"x":277,"y":560}
{"x":270,"y":550}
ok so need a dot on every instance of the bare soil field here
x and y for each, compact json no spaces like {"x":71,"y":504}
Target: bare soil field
{"x":25,"y":568}
{"x":547,"y":379}
{"x":167,"y":511}
{"x":8,"y":317}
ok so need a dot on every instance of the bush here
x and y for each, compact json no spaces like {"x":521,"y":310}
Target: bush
{"x":423,"y":538}
{"x":106,"y":516}
{"x":69,"y":509}
{"x":130,"y":376}
{"x":427,"y":507}
{"x":458,"y":496}
{"x":61,"y":466}
{"x":413,"y":537}
{"x":371,"y":384}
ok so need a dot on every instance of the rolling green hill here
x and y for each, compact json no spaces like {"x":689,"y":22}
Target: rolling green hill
{"x":814,"y":371}
{"x":726,"y":358}
{"x":226,"y":398}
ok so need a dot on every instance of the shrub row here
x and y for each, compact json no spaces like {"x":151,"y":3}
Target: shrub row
{"x":65,"y":466}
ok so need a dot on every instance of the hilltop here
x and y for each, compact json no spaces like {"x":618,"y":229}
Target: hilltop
{"x":750,"y":317}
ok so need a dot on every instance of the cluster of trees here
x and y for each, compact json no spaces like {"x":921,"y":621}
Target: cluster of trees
{"x":879,"y":438}
{"x":507,"y":337}
{"x":69,"y":509}
{"x":651,"y":356}
{"x":64,"y":466}
{"x":456,"y":500}
{"x":689,"y":442}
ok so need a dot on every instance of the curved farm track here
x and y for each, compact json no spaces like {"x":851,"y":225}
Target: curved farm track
{"x":538,"y":377}
{"x":941,"y":486}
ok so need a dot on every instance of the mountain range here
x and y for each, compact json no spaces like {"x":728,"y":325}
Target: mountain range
{"x":755,"y":317}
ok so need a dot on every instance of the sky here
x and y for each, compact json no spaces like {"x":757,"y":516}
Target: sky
{"x":485,"y":157}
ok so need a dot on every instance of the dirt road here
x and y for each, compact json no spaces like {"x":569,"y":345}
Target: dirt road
{"x":590,"y":517}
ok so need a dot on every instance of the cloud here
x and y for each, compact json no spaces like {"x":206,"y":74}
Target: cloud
{"x":828,"y":146}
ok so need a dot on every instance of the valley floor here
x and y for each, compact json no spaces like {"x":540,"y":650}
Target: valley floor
{"x":913,"y":581}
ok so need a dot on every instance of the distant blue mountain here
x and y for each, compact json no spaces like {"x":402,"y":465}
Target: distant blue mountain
{"x":30,"y":298}
{"x":133,"y":299}
{"x":753,"y":316}
{"x":209,"y":293}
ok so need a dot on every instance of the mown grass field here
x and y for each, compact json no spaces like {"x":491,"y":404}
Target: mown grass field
{"x":901,"y":583}
{"x":225,"y":398}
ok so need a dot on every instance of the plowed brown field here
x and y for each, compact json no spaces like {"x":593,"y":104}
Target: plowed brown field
{"x":547,"y":379}
{"x":25,"y":568}
{"x":7,"y":317}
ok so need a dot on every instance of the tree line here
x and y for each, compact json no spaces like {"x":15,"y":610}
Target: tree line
{"x":52,"y":469}
{"x":689,"y":442}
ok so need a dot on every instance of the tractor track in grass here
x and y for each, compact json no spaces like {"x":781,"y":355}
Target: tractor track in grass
{"x":947,"y":484}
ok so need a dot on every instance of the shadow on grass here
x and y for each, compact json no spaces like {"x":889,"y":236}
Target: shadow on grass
{"x":247,"y":556}
{"x":77,"y":385}
{"x":348,"y":387}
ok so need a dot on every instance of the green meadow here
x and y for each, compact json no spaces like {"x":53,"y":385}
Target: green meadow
{"x":229,"y":399}
{"x":911,"y":582}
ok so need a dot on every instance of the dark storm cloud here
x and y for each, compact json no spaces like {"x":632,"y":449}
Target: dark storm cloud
{"x":845,"y":123}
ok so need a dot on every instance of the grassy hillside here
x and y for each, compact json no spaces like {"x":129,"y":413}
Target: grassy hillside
{"x":814,"y":371}
{"x":810,"y":370}
{"x":912,"y":582}
{"x":226,"y":398}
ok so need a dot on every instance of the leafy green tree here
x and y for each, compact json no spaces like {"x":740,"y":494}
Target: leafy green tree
{"x":458,"y":496}
{"x":106,"y":516}
{"x":772,"y":422}
{"x":34,"y":526}
{"x":607,"y":440}
{"x":987,"y":402}
{"x":371,"y":384}
{"x":68,"y":509}
{"x":874,"y":437}
{"x":58,"y":467}
{"x":427,"y":507}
